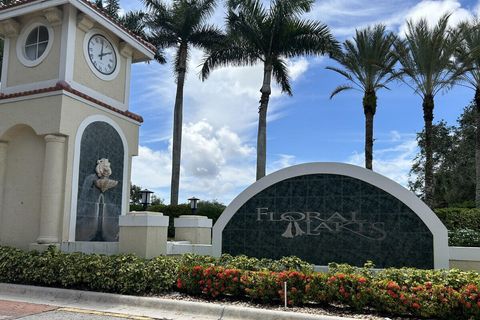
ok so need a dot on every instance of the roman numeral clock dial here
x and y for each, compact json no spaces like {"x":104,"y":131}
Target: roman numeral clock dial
{"x":102,"y":54}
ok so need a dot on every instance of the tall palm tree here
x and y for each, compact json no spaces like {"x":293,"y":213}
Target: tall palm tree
{"x":428,"y":68}
{"x":257,"y":34}
{"x":368,"y":64}
{"x":181,"y":25}
{"x":468,"y":57}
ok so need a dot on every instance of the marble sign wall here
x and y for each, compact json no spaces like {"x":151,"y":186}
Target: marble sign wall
{"x":325,"y":218}
{"x":97,"y":212}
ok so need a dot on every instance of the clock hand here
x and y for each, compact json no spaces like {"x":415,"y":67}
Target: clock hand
{"x":101,"y":53}
{"x":106,"y":54}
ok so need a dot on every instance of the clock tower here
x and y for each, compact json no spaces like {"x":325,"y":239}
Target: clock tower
{"x":67,"y":137}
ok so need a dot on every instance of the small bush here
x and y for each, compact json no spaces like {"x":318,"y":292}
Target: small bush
{"x":464,"y":238}
{"x":459,"y":218}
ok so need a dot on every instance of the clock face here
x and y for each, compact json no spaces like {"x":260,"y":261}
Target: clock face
{"x":102,"y":54}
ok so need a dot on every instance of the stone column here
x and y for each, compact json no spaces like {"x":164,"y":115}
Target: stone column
{"x":3,"y":167}
{"x":52,"y":190}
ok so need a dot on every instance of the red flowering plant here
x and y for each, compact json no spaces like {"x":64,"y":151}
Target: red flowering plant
{"x":470,"y":301}
{"x":261,"y":285}
{"x":189,"y":279}
{"x":296,"y":283}
{"x":388,"y":296}
{"x":316,"y":288}
{"x":211,"y":281}
{"x":351,"y":289}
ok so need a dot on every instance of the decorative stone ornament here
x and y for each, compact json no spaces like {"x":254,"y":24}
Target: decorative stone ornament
{"x":104,"y":171}
{"x":54,"y":16}
{"x":9,"y":28}
{"x":85,"y":23}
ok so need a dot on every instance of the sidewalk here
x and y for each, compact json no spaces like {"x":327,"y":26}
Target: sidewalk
{"x":155,"y":308}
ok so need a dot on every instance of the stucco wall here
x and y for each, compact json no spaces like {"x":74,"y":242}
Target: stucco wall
{"x":48,"y":69}
{"x":20,"y":212}
{"x":82,"y":73}
{"x":42,"y":114}
{"x":61,"y":114}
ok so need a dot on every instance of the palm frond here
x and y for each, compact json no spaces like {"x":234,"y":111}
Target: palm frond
{"x":340,"y":89}
{"x":280,"y":73}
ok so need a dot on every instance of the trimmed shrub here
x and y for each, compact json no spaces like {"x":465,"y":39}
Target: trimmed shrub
{"x":440,"y":294}
{"x":459,"y":218}
{"x":464,"y":238}
{"x":126,"y":274}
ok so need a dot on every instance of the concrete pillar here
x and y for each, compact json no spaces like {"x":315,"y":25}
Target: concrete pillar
{"x":3,"y":167}
{"x":196,"y":229}
{"x":52,"y":190}
{"x":144,"y":234}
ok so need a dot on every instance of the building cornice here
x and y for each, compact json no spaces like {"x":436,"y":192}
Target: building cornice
{"x":63,"y":86}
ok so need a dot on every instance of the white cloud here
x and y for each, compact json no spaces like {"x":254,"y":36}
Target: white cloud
{"x":394,"y":161}
{"x":215,"y":164}
{"x":433,"y":10}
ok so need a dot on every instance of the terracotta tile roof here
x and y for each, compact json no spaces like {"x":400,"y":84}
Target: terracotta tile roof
{"x":99,"y":10}
{"x":61,"y":85}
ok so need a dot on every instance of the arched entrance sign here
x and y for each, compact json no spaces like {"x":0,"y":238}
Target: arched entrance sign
{"x":332,"y":212}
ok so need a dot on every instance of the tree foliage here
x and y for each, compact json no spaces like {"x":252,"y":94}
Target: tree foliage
{"x":367,"y":63}
{"x":454,"y":158}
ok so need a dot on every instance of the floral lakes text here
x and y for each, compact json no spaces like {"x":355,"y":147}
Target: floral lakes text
{"x":313,"y":224}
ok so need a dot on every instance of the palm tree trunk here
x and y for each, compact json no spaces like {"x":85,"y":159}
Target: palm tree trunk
{"x":262,"y":122}
{"x":177,"y":126}
{"x":369,"y":109}
{"x":428,"y":105}
{"x":477,"y":147}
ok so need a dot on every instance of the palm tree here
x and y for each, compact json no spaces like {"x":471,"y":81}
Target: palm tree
{"x":428,"y":67}
{"x":181,"y":25}
{"x":257,"y":34}
{"x":132,"y":20}
{"x":368,"y":64}
{"x":468,"y":56}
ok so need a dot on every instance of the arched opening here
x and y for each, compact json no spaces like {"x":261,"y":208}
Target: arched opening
{"x":95,"y":212}
{"x":20,"y":200}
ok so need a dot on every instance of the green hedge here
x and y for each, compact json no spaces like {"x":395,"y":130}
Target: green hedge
{"x":459,"y":218}
{"x":446,"y":294}
{"x":463,"y":226}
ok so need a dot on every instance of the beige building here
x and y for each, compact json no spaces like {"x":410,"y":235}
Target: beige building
{"x":66,"y":135}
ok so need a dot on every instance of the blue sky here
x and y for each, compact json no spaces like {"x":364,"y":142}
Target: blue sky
{"x":220,"y":115}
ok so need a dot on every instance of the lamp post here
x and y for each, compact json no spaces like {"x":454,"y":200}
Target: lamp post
{"x":145,"y":198}
{"x":193,"y":204}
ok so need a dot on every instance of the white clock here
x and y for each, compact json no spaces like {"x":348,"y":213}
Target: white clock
{"x":101,"y":55}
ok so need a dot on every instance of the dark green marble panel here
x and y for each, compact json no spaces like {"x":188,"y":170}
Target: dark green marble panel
{"x":325,"y":218}
{"x":97,"y":216}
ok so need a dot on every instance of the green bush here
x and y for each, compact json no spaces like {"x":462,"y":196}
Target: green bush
{"x":464,"y":238}
{"x":459,"y":218}
{"x":248,"y":263}
{"x":126,"y":274}
{"x":442,"y":294}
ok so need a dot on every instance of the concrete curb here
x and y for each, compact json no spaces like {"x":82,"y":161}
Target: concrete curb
{"x":65,"y":297}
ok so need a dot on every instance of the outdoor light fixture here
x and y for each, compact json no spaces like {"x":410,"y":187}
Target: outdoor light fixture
{"x":193,"y":204}
{"x":145,"y":198}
